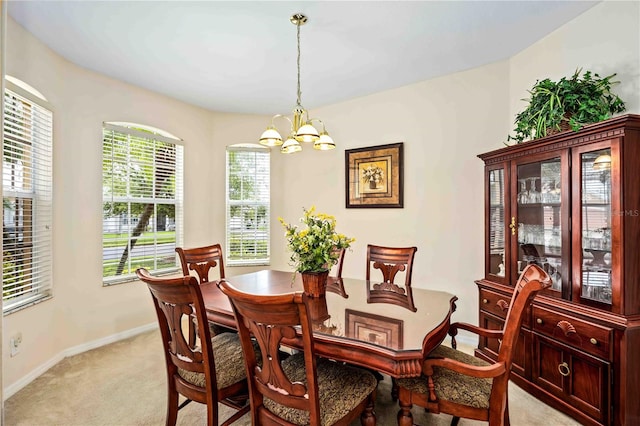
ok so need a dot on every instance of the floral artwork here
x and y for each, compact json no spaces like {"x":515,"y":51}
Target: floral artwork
{"x":374,"y":176}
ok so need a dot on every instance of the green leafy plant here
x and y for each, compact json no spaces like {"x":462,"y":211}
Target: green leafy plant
{"x":569,"y":103}
{"x":315,"y":248}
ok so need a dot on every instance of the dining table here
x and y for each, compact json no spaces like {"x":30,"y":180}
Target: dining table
{"x":346,"y":326}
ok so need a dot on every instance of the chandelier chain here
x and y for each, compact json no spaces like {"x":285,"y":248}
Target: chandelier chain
{"x":298,"y":39}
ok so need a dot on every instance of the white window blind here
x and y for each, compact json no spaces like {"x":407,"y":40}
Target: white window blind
{"x":27,"y":200}
{"x":248,"y":205}
{"x":142,"y":201}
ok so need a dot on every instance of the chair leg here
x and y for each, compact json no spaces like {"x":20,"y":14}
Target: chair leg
{"x":405,"y":418}
{"x":172,"y":407}
{"x":394,"y":390}
{"x":368,"y":416}
{"x":454,"y":421}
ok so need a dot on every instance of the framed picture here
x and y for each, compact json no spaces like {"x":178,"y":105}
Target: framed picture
{"x":374,"y":176}
{"x":376,"y":329}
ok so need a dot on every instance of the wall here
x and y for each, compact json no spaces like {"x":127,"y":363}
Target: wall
{"x":605,"y":39}
{"x":82,"y":311}
{"x":444,"y":123}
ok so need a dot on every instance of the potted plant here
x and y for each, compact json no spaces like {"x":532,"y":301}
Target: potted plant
{"x":315,"y":250}
{"x":569,"y":103}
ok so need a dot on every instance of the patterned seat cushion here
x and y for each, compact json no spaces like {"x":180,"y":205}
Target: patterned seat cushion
{"x":341,"y":388}
{"x":227,"y":353}
{"x":450,"y":385}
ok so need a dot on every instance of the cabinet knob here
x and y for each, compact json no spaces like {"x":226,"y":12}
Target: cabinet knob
{"x":485,"y":301}
{"x":593,"y":341}
{"x":564,"y":369}
{"x":513,"y":225}
{"x":539,"y":320}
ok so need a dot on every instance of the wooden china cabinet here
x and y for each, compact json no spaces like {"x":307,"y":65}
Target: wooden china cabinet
{"x":571,"y":204}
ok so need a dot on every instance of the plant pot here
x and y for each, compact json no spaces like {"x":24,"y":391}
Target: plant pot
{"x":315,"y":283}
{"x":318,"y":310}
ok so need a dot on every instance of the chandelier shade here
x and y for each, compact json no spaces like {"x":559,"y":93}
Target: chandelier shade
{"x":302,"y":128}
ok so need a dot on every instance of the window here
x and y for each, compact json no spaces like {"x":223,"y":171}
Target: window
{"x":27,"y":198}
{"x":248,"y":209}
{"x":142,"y":200}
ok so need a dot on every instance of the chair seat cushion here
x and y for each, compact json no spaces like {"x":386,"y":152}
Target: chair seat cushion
{"x":450,"y":385}
{"x":340,"y":387}
{"x":227,"y":353}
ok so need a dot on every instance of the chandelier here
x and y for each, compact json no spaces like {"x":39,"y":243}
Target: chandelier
{"x":302,"y":129}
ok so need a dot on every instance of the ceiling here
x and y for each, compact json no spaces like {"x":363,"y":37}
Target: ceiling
{"x":240,"y":56}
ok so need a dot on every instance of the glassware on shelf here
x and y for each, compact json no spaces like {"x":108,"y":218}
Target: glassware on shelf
{"x":534,"y":196}
{"x":523,"y":194}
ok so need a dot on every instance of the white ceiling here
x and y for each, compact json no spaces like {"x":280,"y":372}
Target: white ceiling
{"x":240,"y":56}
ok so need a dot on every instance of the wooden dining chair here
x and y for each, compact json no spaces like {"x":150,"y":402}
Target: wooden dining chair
{"x":390,"y":261}
{"x":302,"y":389}
{"x":462,"y":385}
{"x":334,"y":281}
{"x":202,"y":261}
{"x":211,"y":372}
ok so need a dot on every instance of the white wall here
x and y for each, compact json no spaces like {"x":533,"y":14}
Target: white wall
{"x":82,"y":310}
{"x":444,"y":123}
{"x":605,"y":40}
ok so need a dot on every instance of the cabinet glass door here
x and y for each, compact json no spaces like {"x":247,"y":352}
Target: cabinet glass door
{"x":496,"y":226}
{"x":539,"y":216}
{"x":595,"y":186}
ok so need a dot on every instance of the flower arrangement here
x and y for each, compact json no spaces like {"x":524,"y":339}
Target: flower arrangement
{"x":315,"y":248}
{"x":372,"y":174}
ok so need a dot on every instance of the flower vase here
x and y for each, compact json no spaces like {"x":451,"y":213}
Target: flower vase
{"x":372,"y":184}
{"x":315,"y":283}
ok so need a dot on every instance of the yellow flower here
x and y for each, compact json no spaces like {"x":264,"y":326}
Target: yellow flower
{"x":313,"y":248}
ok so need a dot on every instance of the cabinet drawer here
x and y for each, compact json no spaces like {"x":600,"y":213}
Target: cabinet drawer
{"x":591,"y":338}
{"x":498,"y":305}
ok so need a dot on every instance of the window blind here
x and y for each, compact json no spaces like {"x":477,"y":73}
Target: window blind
{"x":142,"y":201}
{"x":27,"y":200}
{"x":248,"y":205}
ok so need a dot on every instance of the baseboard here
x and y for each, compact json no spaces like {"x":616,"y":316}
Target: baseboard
{"x":75,"y":350}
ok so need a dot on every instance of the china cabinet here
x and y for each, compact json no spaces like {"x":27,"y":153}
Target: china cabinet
{"x":571,"y":204}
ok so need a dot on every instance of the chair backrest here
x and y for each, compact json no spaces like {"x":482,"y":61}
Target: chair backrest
{"x":175,"y":300}
{"x":272,"y":319}
{"x":532,"y":280}
{"x":390,"y":261}
{"x":202,"y":260}
{"x":334,"y":281}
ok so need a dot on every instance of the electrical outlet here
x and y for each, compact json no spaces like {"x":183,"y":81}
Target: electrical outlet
{"x":14,"y":344}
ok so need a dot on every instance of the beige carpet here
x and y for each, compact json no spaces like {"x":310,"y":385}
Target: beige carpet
{"x":124,"y":384}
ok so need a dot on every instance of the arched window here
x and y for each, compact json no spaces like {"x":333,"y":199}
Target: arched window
{"x":142,"y":200}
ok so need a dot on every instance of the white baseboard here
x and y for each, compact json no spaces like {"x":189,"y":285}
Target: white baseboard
{"x":75,"y":350}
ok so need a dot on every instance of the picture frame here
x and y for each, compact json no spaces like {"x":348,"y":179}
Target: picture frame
{"x":374,"y":176}
{"x":377,"y":329}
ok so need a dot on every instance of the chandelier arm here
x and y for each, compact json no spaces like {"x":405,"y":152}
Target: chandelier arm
{"x":281,"y":116}
{"x":310,"y":120}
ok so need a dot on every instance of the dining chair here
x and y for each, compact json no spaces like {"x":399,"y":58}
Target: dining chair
{"x":462,"y":385}
{"x":211,"y":372}
{"x":390,"y":261}
{"x":202,"y":261}
{"x":302,"y":389}
{"x":334,"y":281}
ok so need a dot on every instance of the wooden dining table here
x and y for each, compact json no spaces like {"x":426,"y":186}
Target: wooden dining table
{"x":381,"y":336}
